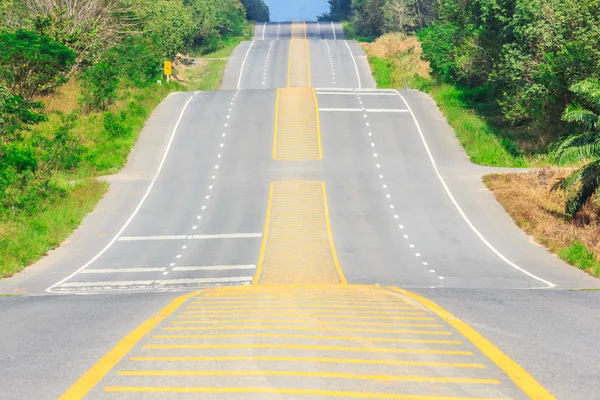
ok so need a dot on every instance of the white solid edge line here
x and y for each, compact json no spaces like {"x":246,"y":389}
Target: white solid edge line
{"x":334,"y":89}
{"x":108,"y":283}
{"x":386,"y":110}
{"x":139,"y":206}
{"x":143,"y":238}
{"x":341,"y":109}
{"x":377,"y":94}
{"x":206,"y":280}
{"x":121,"y":270}
{"x":355,"y":65}
{"x":229,"y":236}
{"x":336,"y":93}
{"x":243,"y":64}
{"x":215,"y":268}
{"x":264,"y":30}
{"x":156,"y":282}
{"x":460,"y":210}
{"x":333,"y":29}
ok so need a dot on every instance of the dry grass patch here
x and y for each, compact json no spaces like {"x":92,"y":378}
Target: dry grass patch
{"x":398,"y":46}
{"x":64,"y":100}
{"x":540,"y":213}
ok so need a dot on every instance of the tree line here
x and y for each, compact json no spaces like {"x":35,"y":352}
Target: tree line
{"x":108,"y":46}
{"x":531,"y":66}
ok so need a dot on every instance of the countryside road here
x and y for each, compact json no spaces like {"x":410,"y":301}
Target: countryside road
{"x":299,"y":234}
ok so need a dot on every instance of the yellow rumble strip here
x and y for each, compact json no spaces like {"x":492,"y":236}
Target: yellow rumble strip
{"x":297,"y":126}
{"x":297,"y":244}
{"x":299,"y":58}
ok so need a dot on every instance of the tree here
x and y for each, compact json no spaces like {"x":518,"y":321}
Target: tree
{"x":16,"y":114}
{"x":31,"y":64}
{"x":257,"y":10}
{"x":89,"y":27}
{"x":582,"y":184}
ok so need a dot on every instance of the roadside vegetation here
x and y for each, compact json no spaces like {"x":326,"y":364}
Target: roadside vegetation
{"x":519,"y":82}
{"x":78,"y":79}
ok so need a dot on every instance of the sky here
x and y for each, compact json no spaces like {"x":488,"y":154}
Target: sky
{"x":296,"y":10}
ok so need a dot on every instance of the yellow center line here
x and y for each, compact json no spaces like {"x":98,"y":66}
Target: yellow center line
{"x":306,"y":347}
{"x":330,"y":393}
{"x":433,"y":379}
{"x":316,"y":360}
{"x":303,"y":328}
{"x":317,"y":337}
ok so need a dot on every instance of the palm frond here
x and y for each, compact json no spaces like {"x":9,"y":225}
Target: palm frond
{"x":589,"y":88}
{"x":580,"y":147}
{"x":575,"y":113}
{"x":580,"y":186}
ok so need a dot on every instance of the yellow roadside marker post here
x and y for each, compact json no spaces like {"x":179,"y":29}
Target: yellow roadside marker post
{"x":167,"y":69}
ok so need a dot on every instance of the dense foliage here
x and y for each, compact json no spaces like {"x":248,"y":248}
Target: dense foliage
{"x":528,"y":53}
{"x":373,"y":18}
{"x":257,"y":10}
{"x":112,"y":48}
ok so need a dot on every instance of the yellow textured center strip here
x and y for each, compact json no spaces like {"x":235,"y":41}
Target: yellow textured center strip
{"x":297,"y":243}
{"x":299,"y":64}
{"x":297,"y":126}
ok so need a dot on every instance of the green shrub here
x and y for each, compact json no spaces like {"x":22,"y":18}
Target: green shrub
{"x":31,"y":64}
{"x":115,"y":126}
{"x":99,"y":84}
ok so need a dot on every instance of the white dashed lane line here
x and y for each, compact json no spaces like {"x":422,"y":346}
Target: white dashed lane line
{"x":172,"y":265}
{"x":331,"y":61}
{"x":264,"y":81}
{"x":378,"y":165}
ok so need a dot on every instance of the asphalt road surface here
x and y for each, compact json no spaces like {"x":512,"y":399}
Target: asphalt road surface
{"x":259,"y":243}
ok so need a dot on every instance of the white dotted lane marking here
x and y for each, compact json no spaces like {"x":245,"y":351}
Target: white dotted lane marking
{"x":331,"y":61}
{"x":459,"y":208}
{"x":278,"y":28}
{"x":264,"y":81}
{"x":384,"y":185}
{"x":210,"y":188}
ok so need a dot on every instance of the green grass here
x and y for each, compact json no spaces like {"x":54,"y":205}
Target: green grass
{"x":207,"y":77}
{"x":27,"y":239}
{"x":382,"y":71}
{"x":578,"y":255}
{"x":483,"y":143}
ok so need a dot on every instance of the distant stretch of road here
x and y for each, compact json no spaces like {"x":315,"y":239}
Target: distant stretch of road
{"x":280,"y":221}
